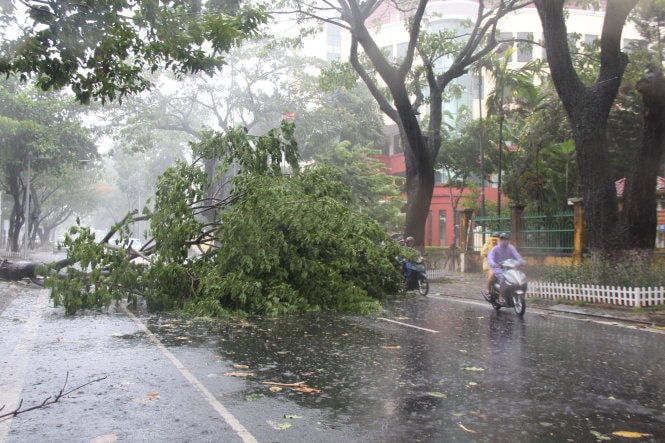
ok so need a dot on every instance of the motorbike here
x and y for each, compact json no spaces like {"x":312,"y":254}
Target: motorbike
{"x":516,"y":284}
{"x":417,"y":280}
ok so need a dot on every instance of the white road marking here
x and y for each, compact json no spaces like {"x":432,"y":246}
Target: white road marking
{"x":233,"y":422}
{"x":408,"y":325}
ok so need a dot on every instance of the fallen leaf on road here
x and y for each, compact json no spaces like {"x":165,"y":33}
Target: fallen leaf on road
{"x":147,"y":398}
{"x":392,"y":347}
{"x":600,"y":437}
{"x":275,"y":389}
{"x":464,"y":428}
{"x":273,"y":383}
{"x":308,"y":390}
{"x":108,"y":438}
{"x":437,"y":394}
{"x":241,"y":366}
{"x":239,"y":374}
{"x":630,"y":434}
{"x":279,"y":426}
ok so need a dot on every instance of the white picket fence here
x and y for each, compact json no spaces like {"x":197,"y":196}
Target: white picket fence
{"x":637,"y":297}
{"x":434,"y":273}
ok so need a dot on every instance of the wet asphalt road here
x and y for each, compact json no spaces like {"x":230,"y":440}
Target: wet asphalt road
{"x":435,"y":369}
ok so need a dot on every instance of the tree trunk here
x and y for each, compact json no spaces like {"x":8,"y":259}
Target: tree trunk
{"x":15,"y":271}
{"x":588,"y":111}
{"x":640,"y":191}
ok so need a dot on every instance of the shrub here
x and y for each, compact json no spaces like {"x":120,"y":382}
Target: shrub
{"x":626,"y":274}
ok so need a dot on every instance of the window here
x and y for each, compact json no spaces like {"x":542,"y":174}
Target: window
{"x":442,"y":228}
{"x":630,"y":45}
{"x":589,"y":39}
{"x":397,"y":144}
{"x":428,"y":234}
{"x":333,"y":42}
{"x":401,"y":51}
{"x":524,"y":48}
{"x":505,"y":41}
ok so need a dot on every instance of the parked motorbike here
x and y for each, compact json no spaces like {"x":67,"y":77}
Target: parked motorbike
{"x":417,"y":280}
{"x":515,"y":294}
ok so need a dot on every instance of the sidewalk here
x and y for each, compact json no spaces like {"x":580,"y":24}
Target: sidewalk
{"x":468,"y":285}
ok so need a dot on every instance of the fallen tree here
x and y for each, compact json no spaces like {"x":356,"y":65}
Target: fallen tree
{"x":281,"y":243}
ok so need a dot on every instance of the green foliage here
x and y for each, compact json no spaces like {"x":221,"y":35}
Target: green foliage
{"x":281,"y":244}
{"x":173,"y":222}
{"x":292,"y":245}
{"x":103,"y":49}
{"x":626,"y":274}
{"x":252,"y":154}
{"x":89,"y":284}
{"x":373,"y":190}
{"x":339,"y":74}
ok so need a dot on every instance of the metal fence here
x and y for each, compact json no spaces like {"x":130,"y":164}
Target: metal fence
{"x":548,"y":232}
{"x":540,"y":233}
{"x":484,"y":226}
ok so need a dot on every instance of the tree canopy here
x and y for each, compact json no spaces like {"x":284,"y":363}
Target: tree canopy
{"x":103,"y":49}
{"x":41,"y":131}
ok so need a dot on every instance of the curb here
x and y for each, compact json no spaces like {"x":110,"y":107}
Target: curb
{"x":468,"y":286}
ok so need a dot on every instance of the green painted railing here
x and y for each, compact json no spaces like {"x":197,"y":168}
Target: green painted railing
{"x":554,"y":232}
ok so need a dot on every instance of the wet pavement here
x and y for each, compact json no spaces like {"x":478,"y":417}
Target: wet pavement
{"x":442,"y":368}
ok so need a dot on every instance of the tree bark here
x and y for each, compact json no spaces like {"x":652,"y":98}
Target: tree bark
{"x":640,"y":190}
{"x":588,"y":110}
{"x":15,"y":271}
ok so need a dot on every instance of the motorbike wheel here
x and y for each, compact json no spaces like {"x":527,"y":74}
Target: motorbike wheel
{"x":423,"y":286}
{"x":519,"y":304}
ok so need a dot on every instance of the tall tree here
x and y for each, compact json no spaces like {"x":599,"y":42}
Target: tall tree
{"x":612,"y":234}
{"x":39,"y":133}
{"x":402,"y":97}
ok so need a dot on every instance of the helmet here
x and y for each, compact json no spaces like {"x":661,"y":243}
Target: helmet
{"x":504,"y":236}
{"x":410,"y":239}
{"x":494,"y":234}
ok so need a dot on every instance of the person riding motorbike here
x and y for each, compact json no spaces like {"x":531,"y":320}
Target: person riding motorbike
{"x":503,"y":251}
{"x":408,"y":265}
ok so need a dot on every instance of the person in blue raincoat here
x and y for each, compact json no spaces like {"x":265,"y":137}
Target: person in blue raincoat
{"x":503,"y":251}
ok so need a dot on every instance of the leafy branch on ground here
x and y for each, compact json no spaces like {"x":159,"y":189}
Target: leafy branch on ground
{"x":283,"y":241}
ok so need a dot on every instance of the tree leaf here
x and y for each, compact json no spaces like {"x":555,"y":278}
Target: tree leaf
{"x":239,"y":374}
{"x":630,"y":434}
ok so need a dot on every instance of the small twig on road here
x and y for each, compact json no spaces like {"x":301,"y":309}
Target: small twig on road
{"x":48,"y":400}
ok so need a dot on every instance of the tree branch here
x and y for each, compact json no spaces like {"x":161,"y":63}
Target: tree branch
{"x":48,"y":401}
